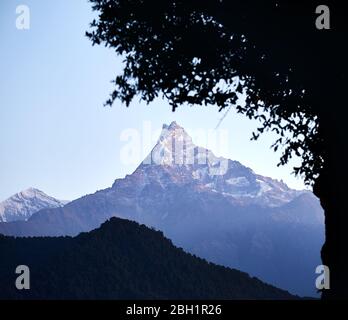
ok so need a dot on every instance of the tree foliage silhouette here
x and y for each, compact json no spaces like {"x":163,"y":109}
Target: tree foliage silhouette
{"x":209,"y":52}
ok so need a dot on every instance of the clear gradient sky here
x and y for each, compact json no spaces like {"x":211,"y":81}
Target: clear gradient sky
{"x":56,"y":135}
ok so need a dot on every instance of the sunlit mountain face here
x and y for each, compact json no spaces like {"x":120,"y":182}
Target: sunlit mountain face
{"x":176,"y":159}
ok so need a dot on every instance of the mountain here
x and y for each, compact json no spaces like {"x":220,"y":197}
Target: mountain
{"x":213,"y":207}
{"x":24,"y":204}
{"x":121,"y":260}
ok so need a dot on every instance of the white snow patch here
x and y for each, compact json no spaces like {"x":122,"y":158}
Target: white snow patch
{"x":238,"y":181}
{"x":264,"y":186}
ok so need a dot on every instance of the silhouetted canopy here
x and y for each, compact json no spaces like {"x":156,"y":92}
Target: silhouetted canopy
{"x":211,"y":51}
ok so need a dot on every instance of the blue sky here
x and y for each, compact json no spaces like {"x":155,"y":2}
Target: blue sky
{"x":56,"y":135}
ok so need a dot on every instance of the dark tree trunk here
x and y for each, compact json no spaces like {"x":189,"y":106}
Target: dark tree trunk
{"x":331,"y":188}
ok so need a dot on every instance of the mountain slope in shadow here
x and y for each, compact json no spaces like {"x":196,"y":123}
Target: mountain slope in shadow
{"x":120,"y":260}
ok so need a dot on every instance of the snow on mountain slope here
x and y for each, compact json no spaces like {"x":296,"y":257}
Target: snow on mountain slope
{"x":24,"y":204}
{"x":176,"y":159}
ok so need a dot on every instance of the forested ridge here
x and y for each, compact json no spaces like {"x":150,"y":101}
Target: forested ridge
{"x":120,"y":260}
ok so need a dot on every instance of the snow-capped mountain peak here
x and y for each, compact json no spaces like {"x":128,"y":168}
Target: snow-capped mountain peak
{"x":175,"y":159}
{"x":175,"y":147}
{"x":23,"y":204}
{"x":31,"y":192}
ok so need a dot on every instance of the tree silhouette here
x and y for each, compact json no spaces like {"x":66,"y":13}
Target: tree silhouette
{"x":209,"y":52}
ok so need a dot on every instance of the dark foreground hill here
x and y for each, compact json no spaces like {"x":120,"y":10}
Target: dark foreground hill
{"x":120,"y":260}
